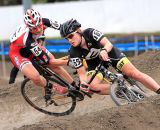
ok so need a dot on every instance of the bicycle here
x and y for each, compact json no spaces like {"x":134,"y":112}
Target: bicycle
{"x":60,"y":104}
{"x":123,"y":90}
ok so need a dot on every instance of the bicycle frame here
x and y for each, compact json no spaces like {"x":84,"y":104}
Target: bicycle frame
{"x":46,"y":72}
{"x":101,"y":68}
{"x":110,"y":75}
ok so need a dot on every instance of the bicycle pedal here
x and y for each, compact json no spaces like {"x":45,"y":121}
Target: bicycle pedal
{"x":50,"y":102}
{"x":80,"y":98}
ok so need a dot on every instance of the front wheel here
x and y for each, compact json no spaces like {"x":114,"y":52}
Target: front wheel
{"x":60,"y":105}
{"x":126,"y":95}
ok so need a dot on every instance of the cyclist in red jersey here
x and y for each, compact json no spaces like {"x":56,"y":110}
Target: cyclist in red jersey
{"x":15,"y":70}
{"x":24,"y":46}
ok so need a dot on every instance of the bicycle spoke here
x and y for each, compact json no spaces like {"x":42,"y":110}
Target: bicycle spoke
{"x":125,"y":94}
{"x":59,"y":105}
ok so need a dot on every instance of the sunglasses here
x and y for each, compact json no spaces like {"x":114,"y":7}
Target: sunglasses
{"x":37,"y":28}
{"x":70,"y":36}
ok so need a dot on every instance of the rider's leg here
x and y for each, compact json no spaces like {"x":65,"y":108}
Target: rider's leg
{"x":98,"y":86}
{"x":29,"y":71}
{"x":130,"y":70}
{"x":60,"y":71}
{"x":13,"y":75}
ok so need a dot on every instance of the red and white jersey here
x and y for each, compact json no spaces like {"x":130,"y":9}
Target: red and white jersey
{"x":20,"y":36}
{"x":23,"y":38}
{"x":24,"y":43}
{"x":22,"y":33}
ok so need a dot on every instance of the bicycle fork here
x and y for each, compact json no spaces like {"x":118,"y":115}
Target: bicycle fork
{"x":124,"y":88}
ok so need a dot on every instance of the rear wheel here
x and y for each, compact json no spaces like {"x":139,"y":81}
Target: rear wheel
{"x":60,"y":104}
{"x":126,"y":95}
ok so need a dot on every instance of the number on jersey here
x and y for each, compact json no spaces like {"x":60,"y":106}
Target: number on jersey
{"x":36,"y":51}
{"x":97,"y":35}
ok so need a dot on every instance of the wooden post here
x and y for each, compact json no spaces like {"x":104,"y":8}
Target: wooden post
{"x":136,"y":45}
{"x":27,"y":4}
{"x":153,"y":43}
{"x":146,"y":43}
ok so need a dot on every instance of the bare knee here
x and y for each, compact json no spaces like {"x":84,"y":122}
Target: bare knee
{"x":30,"y":72}
{"x":36,"y":78}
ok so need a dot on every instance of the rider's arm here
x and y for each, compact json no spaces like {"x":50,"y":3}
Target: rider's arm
{"x":39,"y":53}
{"x":35,"y":48}
{"x":84,"y":86}
{"x":99,"y":38}
{"x":82,"y":74}
{"x":81,"y":70}
{"x":50,"y":23}
{"x":58,"y":62}
{"x":107,"y":45}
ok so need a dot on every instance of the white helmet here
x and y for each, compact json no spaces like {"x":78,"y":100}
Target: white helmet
{"x":32,"y":18}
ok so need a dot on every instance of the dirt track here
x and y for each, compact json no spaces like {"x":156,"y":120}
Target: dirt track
{"x":91,"y":114}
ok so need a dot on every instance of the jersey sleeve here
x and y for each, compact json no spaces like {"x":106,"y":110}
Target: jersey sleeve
{"x":94,"y":35}
{"x":76,"y":57}
{"x":33,"y":46}
{"x":50,"y":23}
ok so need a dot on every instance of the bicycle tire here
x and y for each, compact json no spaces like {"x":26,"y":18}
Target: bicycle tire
{"x":119,"y":101}
{"x":57,"y":112}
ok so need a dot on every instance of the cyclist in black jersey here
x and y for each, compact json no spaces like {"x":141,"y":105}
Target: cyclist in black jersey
{"x":92,"y":44}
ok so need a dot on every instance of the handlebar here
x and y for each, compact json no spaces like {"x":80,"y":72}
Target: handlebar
{"x":109,"y":62}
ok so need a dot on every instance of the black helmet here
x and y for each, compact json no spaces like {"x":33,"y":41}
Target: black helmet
{"x":69,"y":27}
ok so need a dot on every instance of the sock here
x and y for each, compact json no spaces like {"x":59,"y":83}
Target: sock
{"x":49,"y":85}
{"x":73,"y":83}
{"x":158,"y":91}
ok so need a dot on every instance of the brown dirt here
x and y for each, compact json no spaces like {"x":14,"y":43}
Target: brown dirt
{"x":97,"y":113}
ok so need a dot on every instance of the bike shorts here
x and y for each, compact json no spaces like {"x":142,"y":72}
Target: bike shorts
{"x":122,"y":62}
{"x":116,"y":64}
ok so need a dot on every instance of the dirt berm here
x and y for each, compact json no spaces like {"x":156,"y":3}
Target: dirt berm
{"x":140,"y":116}
{"x":97,"y":113}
